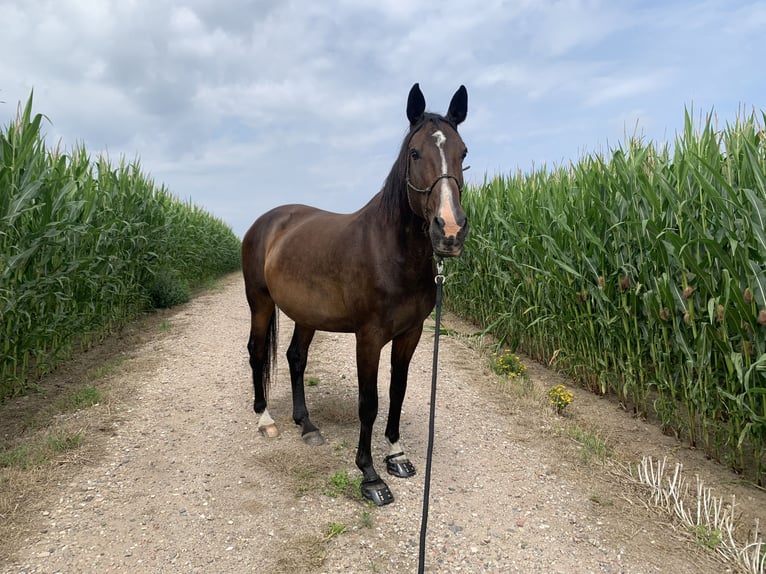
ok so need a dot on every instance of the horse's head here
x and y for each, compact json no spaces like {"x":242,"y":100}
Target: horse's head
{"x":435,"y":154}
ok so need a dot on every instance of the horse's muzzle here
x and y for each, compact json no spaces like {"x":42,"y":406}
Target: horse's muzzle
{"x":448,"y":245}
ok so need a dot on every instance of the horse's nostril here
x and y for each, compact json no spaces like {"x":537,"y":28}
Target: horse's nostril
{"x":439,"y":221}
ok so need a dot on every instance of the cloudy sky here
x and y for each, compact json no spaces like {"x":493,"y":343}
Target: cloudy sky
{"x":242,"y":105}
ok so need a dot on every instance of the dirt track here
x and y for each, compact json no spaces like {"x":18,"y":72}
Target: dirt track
{"x":179,"y":480}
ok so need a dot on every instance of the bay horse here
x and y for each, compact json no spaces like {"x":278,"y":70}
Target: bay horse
{"x":370,"y":273}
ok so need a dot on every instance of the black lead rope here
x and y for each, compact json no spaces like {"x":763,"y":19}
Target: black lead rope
{"x":429,"y":453}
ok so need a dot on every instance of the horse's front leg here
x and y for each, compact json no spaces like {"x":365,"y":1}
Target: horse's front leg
{"x":367,"y":359}
{"x":402,"y":349}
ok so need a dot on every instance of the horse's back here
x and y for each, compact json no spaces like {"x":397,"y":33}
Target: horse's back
{"x":297,"y":255}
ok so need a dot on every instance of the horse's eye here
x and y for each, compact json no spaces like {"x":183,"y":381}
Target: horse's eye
{"x":414,"y":154}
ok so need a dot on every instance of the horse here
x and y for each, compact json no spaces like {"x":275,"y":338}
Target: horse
{"x":371,"y":273}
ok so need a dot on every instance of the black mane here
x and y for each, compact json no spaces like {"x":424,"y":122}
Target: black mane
{"x":394,"y":193}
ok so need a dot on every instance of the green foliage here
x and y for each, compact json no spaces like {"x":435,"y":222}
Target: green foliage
{"x":341,"y":483}
{"x":508,"y":364}
{"x":83,"y":244}
{"x":641,"y":274}
{"x":167,"y":289}
{"x":39,"y":452}
{"x":594,"y":446}
{"x":84,"y":397}
{"x":335,"y":529}
{"x":560,"y":398}
{"x":705,"y":536}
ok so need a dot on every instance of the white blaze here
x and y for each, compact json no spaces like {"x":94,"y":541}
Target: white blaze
{"x":441,"y":139}
{"x":446,"y":206}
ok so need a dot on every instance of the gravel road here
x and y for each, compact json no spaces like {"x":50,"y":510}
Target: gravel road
{"x":185,"y":483}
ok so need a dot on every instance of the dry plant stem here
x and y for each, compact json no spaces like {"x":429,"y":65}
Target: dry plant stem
{"x":706,"y":512}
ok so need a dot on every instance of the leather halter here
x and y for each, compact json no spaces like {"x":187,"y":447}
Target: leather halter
{"x":430,"y":188}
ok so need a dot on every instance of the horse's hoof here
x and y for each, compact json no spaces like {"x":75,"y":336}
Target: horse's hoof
{"x":269,"y":431}
{"x":313,"y":438}
{"x":377,"y":492}
{"x":400,"y":468}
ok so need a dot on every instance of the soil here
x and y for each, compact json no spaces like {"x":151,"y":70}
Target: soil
{"x":173,"y":476}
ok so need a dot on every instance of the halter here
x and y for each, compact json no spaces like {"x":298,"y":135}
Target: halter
{"x":430,"y":188}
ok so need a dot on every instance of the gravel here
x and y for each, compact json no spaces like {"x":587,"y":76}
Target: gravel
{"x":186,"y":483}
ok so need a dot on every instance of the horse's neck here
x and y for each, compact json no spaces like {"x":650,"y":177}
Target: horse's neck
{"x":401,"y":230}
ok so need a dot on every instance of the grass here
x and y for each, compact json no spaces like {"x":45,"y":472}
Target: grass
{"x":340,"y":483}
{"x":366,"y":519}
{"x":41,"y":450}
{"x":593,"y":446}
{"x":335,"y":529}
{"x":82,"y":398}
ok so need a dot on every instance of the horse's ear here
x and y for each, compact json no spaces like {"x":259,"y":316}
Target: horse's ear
{"x":458,"y":107}
{"x":416,"y":105}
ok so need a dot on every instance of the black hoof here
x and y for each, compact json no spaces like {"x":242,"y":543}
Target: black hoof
{"x":313,"y":438}
{"x":377,"y":492}
{"x":400,"y":469}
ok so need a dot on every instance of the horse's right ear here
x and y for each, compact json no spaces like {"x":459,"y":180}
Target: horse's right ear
{"x":458,"y":107}
{"x":416,"y":105}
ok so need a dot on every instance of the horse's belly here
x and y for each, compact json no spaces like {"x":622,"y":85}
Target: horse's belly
{"x":314,"y":313}
{"x":310,"y":302}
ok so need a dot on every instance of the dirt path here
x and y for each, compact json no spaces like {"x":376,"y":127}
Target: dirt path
{"x":181,"y":481}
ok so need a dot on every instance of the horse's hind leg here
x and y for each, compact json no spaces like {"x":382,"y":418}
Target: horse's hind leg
{"x":260,"y":346}
{"x":402,"y":349}
{"x":297,"y":356}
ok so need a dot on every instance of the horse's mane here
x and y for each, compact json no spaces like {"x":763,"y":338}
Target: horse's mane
{"x":393,"y":196}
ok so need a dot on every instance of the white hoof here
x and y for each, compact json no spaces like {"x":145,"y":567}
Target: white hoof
{"x":269,"y":431}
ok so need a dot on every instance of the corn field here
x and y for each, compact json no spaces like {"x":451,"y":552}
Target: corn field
{"x":81,"y":243}
{"x":641,"y":275}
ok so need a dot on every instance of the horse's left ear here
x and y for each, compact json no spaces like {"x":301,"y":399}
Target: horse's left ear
{"x":458,"y":107}
{"x":416,"y":105}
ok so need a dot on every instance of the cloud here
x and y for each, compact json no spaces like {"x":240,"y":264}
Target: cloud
{"x":246,"y":104}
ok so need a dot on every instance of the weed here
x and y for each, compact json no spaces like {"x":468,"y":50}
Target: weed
{"x":560,"y":397}
{"x":341,"y":483}
{"x":38,"y":452}
{"x":366,"y":520}
{"x":508,"y":364}
{"x":60,"y":441}
{"x":105,"y":369}
{"x":20,"y":457}
{"x":84,"y":397}
{"x":593,"y":445}
{"x":335,"y":529}
{"x":707,"y":537}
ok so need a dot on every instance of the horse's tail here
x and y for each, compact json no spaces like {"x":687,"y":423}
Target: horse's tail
{"x":270,"y":359}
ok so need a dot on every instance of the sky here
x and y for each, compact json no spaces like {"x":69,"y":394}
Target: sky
{"x":243,"y":105}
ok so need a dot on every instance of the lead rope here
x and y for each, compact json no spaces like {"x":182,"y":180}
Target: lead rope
{"x":439,"y":279}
